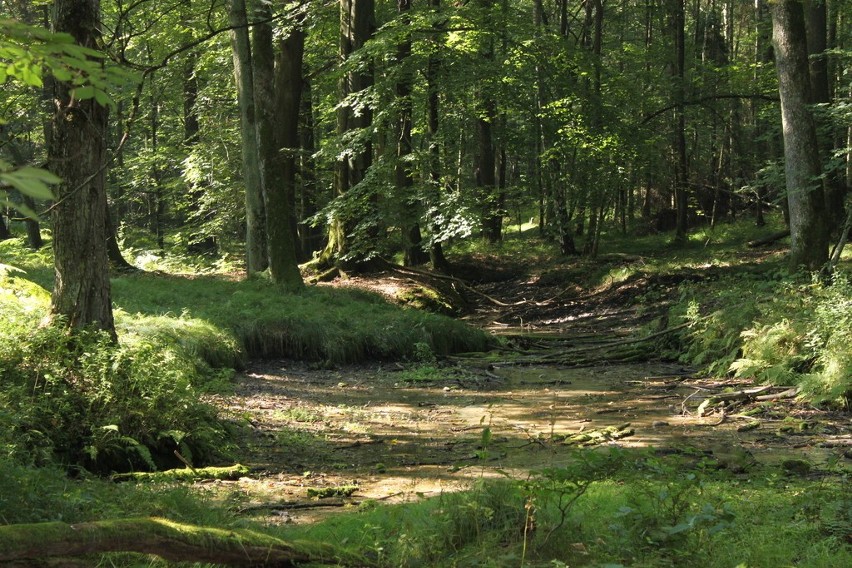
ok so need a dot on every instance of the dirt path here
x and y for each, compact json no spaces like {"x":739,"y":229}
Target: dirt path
{"x":394,"y":434}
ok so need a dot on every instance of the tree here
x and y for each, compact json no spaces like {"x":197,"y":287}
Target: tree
{"x":404,"y":173}
{"x":809,"y":237}
{"x":76,"y":150}
{"x":354,"y":117}
{"x":277,"y":171}
{"x":256,"y":254}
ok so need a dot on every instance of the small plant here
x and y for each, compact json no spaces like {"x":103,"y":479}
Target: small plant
{"x":668,"y":515}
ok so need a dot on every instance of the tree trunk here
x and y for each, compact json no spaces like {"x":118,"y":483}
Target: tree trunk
{"x":816,"y":27}
{"x":357,"y":24}
{"x":403,"y":170}
{"x":256,"y":257}
{"x":33,"y":227}
{"x":809,"y":238}
{"x":433,"y":101}
{"x":277,"y":129}
{"x":678,"y":72}
{"x":484,"y":169}
{"x":76,"y":152}
{"x":4,"y":230}
{"x":311,"y":239}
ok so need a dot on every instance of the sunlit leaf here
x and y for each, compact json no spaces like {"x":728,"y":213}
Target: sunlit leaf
{"x":83,"y":93}
{"x":30,"y":181}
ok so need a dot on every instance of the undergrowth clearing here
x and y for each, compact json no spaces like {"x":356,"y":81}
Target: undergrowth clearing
{"x":618,"y":422}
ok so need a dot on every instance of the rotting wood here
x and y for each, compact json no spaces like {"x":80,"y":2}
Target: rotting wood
{"x":229,"y":473}
{"x":172,"y":541}
{"x":768,"y":240}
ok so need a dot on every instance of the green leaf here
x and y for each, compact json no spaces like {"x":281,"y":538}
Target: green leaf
{"x":31,"y":77}
{"x":21,"y":208}
{"x":31,"y":181}
{"x":83,"y":93}
{"x":62,"y":74}
{"x":103,"y":99}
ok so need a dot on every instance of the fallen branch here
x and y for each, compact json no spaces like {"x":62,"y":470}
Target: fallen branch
{"x":453,"y":279}
{"x":169,"y":540}
{"x":789,"y":393}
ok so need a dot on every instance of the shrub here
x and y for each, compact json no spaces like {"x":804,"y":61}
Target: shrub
{"x":777,"y":331}
{"x":77,"y":398}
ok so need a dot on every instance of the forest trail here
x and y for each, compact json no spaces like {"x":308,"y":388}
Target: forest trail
{"x":322,"y":441}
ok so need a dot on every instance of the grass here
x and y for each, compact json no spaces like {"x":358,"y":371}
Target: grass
{"x":633,"y":510}
{"x":643,"y":513}
{"x":222,"y":321}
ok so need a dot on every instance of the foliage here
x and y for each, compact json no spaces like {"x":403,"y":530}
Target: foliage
{"x":777,"y":330}
{"x":80,"y":400}
{"x":25,"y":53}
{"x":608,"y":508}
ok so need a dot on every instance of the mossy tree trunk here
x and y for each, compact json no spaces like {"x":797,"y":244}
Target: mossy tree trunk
{"x":171,"y":541}
{"x":276,"y":129}
{"x":76,"y":150}
{"x":805,"y":197}
{"x":256,"y":258}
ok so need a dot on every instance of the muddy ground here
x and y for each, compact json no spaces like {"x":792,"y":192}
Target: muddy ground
{"x":393,"y":433}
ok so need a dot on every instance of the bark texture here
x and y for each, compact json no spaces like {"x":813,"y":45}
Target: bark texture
{"x":76,"y":150}
{"x":805,"y":198}
{"x":277,"y":192}
{"x":357,"y":25}
{"x":256,"y":259}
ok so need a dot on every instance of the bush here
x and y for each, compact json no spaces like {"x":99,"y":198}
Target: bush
{"x":79,"y":399}
{"x":778,"y":331}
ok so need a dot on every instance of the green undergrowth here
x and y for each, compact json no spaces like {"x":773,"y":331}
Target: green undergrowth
{"x":610,"y":509}
{"x":81,"y":401}
{"x":768,"y":326}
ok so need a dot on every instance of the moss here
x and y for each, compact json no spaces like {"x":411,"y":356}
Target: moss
{"x":337,"y":491}
{"x":186,"y":474}
{"x":427,"y":299}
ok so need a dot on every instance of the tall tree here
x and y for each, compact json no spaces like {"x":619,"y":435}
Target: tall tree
{"x":256,"y":256}
{"x":433,"y":121}
{"x":276,"y":178}
{"x":403,"y":170}
{"x":678,"y":23}
{"x":357,"y":25}
{"x":485,"y":166}
{"x":805,"y":198}
{"x":76,"y":150}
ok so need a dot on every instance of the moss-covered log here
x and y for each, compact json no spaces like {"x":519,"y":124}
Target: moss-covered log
{"x":172,"y":541}
{"x":186,"y":474}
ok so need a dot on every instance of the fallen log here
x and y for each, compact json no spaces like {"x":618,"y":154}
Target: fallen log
{"x":768,"y":240}
{"x":29,"y":544}
{"x":229,"y":473}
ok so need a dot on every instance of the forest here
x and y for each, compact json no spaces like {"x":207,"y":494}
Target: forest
{"x":540,"y":283}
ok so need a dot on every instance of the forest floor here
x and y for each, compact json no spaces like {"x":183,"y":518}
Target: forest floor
{"x":320,"y":441}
